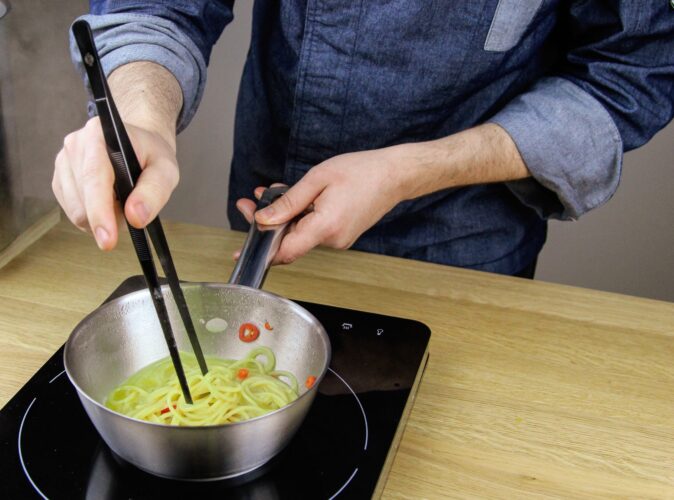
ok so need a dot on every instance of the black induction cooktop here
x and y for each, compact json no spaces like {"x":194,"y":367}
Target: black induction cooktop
{"x":49,"y":448}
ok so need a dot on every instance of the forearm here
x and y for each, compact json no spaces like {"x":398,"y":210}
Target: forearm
{"x":148,"y":96}
{"x":479,"y":155}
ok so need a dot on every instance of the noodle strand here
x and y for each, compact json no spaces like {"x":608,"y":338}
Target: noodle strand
{"x":153,"y":394}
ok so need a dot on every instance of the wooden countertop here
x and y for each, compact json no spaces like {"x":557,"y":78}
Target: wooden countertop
{"x":532,"y":388}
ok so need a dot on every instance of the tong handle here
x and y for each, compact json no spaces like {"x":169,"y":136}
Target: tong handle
{"x":122,"y":157}
{"x":124,"y":160}
{"x":156,"y":232}
{"x":138,"y":236}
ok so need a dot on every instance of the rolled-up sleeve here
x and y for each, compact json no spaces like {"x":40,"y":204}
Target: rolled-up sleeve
{"x":612,"y":92}
{"x":179,"y":39}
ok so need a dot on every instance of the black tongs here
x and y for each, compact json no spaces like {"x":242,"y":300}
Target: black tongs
{"x":127,"y":170}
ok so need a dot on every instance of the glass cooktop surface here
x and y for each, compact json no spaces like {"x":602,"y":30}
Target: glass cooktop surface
{"x":50,"y":449}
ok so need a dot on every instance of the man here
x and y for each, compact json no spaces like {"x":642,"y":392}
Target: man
{"x":440,"y":131}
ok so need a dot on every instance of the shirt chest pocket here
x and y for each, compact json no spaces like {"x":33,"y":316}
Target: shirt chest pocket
{"x":510,"y":22}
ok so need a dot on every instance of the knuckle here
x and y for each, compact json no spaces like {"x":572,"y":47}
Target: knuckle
{"x":315,"y":176}
{"x":287,"y":202}
{"x":91,"y":173}
{"x":321,"y":173}
{"x":155,"y":189}
{"x":59,"y":158}
{"x":92,"y":123}
{"x":331,"y":230}
{"x":69,"y":141}
{"x":342,"y":243}
{"x":173,"y":176}
{"x":93,"y":130}
{"x":93,"y":134}
{"x":335,"y":235}
{"x":290,"y":251}
{"x":288,"y":259}
{"x":55,"y":178}
{"x":317,"y":170}
{"x":158,"y":185}
{"x":78,"y":217}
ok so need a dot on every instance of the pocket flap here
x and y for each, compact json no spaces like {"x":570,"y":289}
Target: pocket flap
{"x":511,"y":20}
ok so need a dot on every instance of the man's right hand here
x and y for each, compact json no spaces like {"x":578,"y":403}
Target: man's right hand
{"x":149,"y":99}
{"x":83,"y":181}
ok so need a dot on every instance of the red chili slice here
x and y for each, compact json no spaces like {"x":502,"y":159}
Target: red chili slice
{"x":267,"y":326}
{"x":248,"y":332}
{"x":166,"y":410}
{"x":242,"y":374}
{"x":311,"y":380}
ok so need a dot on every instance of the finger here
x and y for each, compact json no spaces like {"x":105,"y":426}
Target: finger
{"x":65,"y":190}
{"x":247,"y":208}
{"x":97,"y":192}
{"x":152,"y":191}
{"x":56,"y":178}
{"x":306,"y":234}
{"x":261,"y":189}
{"x":294,"y":201}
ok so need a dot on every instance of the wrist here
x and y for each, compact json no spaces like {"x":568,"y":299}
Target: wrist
{"x":149,"y":123}
{"x":479,"y":155}
{"x":416,"y":168}
{"x":148,"y":96}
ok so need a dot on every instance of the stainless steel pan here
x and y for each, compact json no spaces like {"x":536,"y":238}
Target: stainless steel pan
{"x":124,"y":335}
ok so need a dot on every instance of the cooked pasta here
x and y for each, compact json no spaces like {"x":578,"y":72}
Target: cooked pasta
{"x":231,"y":391}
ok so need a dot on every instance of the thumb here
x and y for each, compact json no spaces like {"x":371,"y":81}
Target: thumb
{"x":297,"y":199}
{"x":152,"y":191}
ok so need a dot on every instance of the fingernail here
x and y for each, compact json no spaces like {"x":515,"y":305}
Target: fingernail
{"x":237,"y":254}
{"x":142,"y":211}
{"x":102,"y":237}
{"x":267,"y":214}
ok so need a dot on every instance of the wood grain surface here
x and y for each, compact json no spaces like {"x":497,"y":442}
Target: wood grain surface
{"x":30,"y":235}
{"x":532,"y":389}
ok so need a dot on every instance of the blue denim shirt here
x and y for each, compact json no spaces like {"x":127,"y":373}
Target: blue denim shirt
{"x":574,"y":82}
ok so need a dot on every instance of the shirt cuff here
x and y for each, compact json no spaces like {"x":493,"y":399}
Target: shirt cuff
{"x":570,"y":145}
{"x":125,"y":38}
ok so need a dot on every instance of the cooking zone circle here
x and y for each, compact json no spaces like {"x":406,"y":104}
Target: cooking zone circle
{"x":55,"y":432}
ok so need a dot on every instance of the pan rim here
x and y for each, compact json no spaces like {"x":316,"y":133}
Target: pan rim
{"x":215,"y":285}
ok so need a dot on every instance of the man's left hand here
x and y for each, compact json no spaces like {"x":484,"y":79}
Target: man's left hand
{"x":342,"y":197}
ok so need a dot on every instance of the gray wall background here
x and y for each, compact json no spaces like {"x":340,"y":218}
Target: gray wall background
{"x":624,"y":246}
{"x":41,"y":97}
